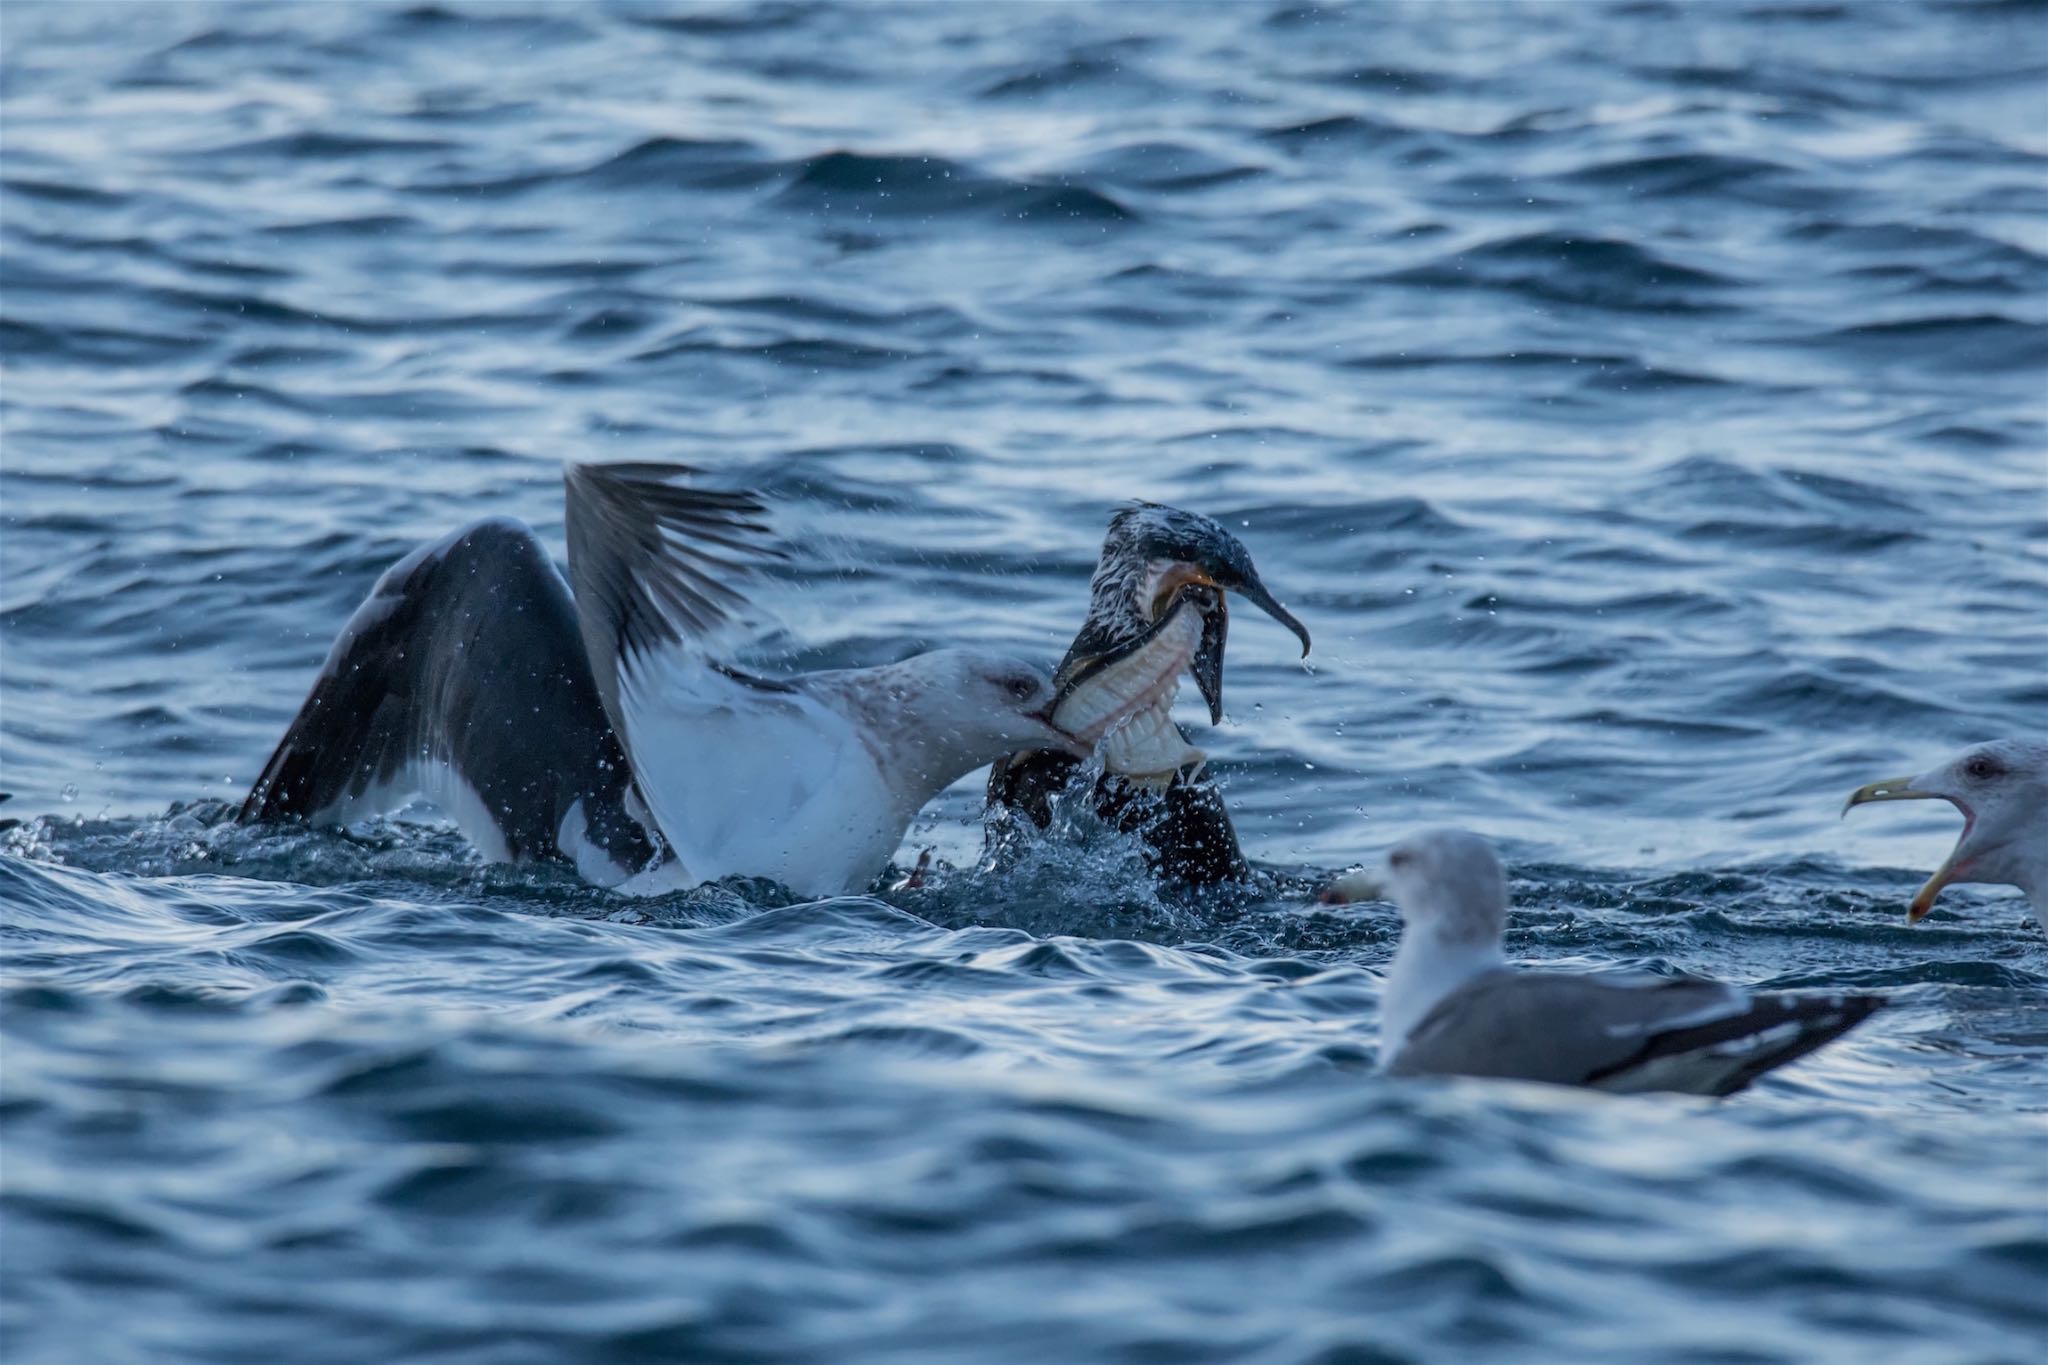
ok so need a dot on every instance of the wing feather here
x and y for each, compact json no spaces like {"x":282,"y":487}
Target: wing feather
{"x":656,"y":562}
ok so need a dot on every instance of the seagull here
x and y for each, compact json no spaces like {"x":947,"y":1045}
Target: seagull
{"x":1453,"y":1006}
{"x":2002,"y":790}
{"x":598,"y":722}
{"x":1157,"y":608}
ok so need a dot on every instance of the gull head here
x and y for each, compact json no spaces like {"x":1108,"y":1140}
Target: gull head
{"x":972,"y":706}
{"x":1449,"y":885}
{"x":2002,"y":790}
{"x":1158,"y":607}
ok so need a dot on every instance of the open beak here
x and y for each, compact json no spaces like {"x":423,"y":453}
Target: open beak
{"x":1098,"y":693}
{"x":1207,"y":665}
{"x":1183,"y":586}
{"x":1902,"y":789}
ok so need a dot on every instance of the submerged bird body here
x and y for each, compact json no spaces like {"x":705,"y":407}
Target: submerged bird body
{"x":1157,"y":609}
{"x":2001,"y":788}
{"x":593,"y":722}
{"x":1453,"y":1006}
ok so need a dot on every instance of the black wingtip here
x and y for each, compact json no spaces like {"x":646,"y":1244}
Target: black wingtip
{"x":1821,"y":1019}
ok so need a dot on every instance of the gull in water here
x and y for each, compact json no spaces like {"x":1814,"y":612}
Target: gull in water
{"x":595,"y":721}
{"x":1157,"y":608}
{"x":2002,"y":790}
{"x":1452,"y":1005}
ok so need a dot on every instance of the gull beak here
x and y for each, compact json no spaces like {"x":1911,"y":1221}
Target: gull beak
{"x":1348,"y":887}
{"x":1923,"y":899}
{"x":1902,"y":789}
{"x":1890,"y":789}
{"x":1060,"y":739}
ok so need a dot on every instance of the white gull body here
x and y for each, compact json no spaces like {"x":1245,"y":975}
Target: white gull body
{"x":597,"y":722}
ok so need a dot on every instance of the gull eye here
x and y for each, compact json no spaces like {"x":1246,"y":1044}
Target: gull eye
{"x":1982,"y":768}
{"x":1399,"y":858}
{"x":1022,"y":688}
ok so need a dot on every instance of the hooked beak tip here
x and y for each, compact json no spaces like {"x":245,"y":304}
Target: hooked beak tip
{"x":1888,"y":789}
{"x":1923,"y":899}
{"x":1253,"y":591}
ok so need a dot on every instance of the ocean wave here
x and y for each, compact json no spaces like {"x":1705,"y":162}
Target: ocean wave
{"x":930,"y":186}
{"x":1601,"y":272}
{"x":1639,"y":403}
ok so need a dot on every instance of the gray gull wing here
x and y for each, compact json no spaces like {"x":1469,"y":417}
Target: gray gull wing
{"x":1623,"y":1032}
{"x":462,"y":677}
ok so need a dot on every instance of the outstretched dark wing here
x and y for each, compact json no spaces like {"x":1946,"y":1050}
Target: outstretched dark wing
{"x":655,"y":562}
{"x":463,"y":678}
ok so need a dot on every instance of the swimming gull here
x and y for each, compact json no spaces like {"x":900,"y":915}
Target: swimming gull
{"x":1156,"y":608}
{"x":2002,"y":790}
{"x":598,"y":721}
{"x":1453,"y":1006}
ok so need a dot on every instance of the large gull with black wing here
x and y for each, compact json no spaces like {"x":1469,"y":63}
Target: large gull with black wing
{"x":598,"y":722}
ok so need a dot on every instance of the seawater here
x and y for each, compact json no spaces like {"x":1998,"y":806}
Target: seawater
{"x":1642,"y":404}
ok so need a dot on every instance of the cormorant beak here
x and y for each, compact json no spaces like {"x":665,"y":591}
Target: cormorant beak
{"x":1205,"y":594}
{"x":1255,"y":593}
{"x":1207,"y":665}
{"x":1192,"y":586}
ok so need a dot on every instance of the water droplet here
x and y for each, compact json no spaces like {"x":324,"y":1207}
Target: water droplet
{"x":69,"y":794}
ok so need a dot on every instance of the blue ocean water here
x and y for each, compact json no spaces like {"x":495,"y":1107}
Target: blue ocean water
{"x":1645,"y":406}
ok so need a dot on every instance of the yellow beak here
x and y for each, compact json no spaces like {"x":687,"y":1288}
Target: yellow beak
{"x":1902,"y":789}
{"x":1890,"y":789}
